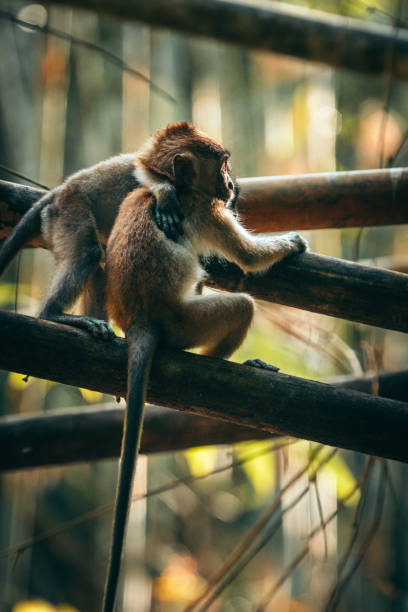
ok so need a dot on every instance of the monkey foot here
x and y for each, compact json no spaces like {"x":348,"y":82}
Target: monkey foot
{"x":97,"y":327}
{"x":263,"y":365}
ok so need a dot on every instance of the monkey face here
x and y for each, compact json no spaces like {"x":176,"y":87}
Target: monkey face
{"x":208,"y":172}
{"x":226,"y":186}
{"x":232,"y":202}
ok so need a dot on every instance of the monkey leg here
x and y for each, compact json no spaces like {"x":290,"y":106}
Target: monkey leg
{"x":93,"y":301}
{"x":217,"y":323}
{"x":78,"y":258}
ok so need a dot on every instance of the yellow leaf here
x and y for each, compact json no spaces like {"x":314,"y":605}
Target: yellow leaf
{"x":201,"y":460}
{"x":345,"y":479}
{"x":92,"y":397}
{"x":16,"y":382}
{"x":8,"y":292}
{"x":40,"y":605}
{"x":260,"y":470}
{"x":35,"y":605}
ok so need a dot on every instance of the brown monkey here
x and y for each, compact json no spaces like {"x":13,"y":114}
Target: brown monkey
{"x":75,"y":220}
{"x":151,"y":282}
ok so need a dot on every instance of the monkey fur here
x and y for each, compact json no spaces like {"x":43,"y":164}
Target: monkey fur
{"x":151,"y":282}
{"x":75,"y":220}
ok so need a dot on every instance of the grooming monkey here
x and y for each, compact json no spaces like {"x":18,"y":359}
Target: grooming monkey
{"x":151,"y":282}
{"x":75,"y":220}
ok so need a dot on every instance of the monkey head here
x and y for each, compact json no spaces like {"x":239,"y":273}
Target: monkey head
{"x":191,"y":160}
{"x":207,"y":173}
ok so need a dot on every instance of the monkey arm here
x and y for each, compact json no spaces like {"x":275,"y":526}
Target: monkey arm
{"x":251,"y":253}
{"x":168,"y":215}
{"x":167,"y":212}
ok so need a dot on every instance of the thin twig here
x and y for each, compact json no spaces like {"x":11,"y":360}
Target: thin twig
{"x":22,"y":176}
{"x":359,"y":483}
{"x":97,"y":512}
{"x":282,"y":579}
{"x":250,"y":554}
{"x":357,"y":521}
{"x":249,"y":539}
{"x":389,"y":85}
{"x":321,"y":516}
{"x":296,"y":328}
{"x":391,"y":487}
{"x":393,"y":158}
{"x":110,"y":57}
{"x":337,"y":592}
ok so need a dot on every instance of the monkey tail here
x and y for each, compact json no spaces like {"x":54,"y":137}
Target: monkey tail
{"x":27,"y":228}
{"x":142,"y":343}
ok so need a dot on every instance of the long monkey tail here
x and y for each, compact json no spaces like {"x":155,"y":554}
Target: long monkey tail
{"x":27,"y":228}
{"x":142,"y":343}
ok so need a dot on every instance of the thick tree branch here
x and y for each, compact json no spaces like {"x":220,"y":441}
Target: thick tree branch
{"x":325,"y":285}
{"x":320,"y":284}
{"x":307,"y":201}
{"x":66,"y":436}
{"x":58,"y":437}
{"x":275,"y":26}
{"x":325,"y":200}
{"x":246,"y":396}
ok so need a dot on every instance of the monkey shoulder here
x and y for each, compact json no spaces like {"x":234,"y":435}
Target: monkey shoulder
{"x":138,"y":201}
{"x":134,"y":223}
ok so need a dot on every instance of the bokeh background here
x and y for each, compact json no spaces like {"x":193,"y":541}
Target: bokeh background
{"x":63,"y":107}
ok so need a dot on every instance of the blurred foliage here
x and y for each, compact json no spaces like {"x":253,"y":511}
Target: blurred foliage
{"x":38,"y":605}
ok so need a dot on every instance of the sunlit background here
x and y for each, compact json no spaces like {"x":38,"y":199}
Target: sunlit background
{"x":64,"y":106}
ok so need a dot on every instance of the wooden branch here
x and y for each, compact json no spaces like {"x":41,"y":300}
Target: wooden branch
{"x":320,"y":284}
{"x":325,"y":285}
{"x":278,"y":27}
{"x":268,"y":204}
{"x":58,"y":437}
{"x":246,"y":396}
{"x":325,"y":200}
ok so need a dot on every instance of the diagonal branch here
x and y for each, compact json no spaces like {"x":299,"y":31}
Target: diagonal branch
{"x":59,"y":436}
{"x":271,"y":402}
{"x":75,"y":41}
{"x":325,"y":285}
{"x":63,"y":436}
{"x":274,"y":26}
{"x":320,"y":284}
{"x":278,"y":203}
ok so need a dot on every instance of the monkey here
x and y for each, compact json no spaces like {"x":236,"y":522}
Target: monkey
{"x":75,"y":220}
{"x":151,"y":283}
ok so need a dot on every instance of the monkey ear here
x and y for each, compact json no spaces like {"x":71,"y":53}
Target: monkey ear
{"x":183,"y":169}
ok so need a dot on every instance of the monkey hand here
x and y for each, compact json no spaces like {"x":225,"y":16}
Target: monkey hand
{"x":262,"y":365}
{"x":168,"y":216}
{"x":296,"y":242}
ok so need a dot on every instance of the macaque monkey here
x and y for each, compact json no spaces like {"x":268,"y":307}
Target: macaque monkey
{"x":75,"y":220}
{"x":151,"y":282}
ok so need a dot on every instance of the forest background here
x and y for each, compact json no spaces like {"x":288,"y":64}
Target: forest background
{"x":63,"y":107}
